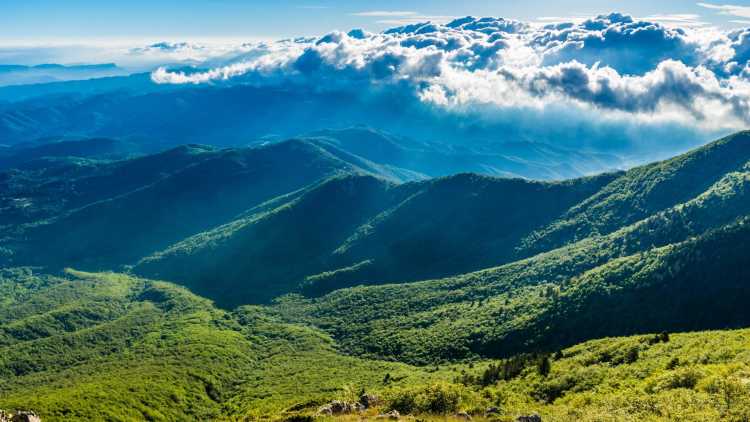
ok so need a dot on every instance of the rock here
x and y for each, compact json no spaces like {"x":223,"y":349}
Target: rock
{"x":338,"y":407}
{"x":393,"y":414}
{"x":325,"y":410}
{"x":25,"y":416}
{"x":463,"y":415}
{"x":529,"y":418}
{"x":368,"y":400}
{"x":4,"y":417}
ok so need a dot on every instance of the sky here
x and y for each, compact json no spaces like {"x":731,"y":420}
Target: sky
{"x":56,"y":22}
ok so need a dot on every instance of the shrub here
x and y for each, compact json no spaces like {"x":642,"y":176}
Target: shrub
{"x":673,"y":363}
{"x":544,"y":366}
{"x":440,"y":398}
{"x":680,"y":378}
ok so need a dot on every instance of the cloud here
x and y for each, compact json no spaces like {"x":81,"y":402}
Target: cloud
{"x":616,"y":40}
{"x":606,"y":71}
{"x":685,"y":20}
{"x":728,"y":9}
{"x":384,"y":13}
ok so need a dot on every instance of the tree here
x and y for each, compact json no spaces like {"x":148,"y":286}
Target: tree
{"x":544,"y":366}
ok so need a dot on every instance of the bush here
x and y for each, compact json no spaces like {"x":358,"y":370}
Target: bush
{"x":679,"y":378}
{"x":439,"y":398}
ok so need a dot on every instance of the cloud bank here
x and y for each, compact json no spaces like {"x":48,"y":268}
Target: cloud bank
{"x":607,"y":70}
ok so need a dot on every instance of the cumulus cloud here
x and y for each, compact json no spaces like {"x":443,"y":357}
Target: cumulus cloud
{"x":611,"y":66}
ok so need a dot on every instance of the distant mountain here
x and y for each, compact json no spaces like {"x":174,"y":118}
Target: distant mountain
{"x":508,"y":159}
{"x":50,"y":93}
{"x":44,"y":73}
{"x":155,"y":116}
{"x":20,"y":155}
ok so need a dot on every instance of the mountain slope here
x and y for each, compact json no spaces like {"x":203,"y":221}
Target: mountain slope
{"x":360,"y":230}
{"x":645,"y":190}
{"x":84,"y":346}
{"x":120,"y":229}
{"x":458,"y":224}
{"x":248,"y":260}
{"x":87,"y":346}
{"x":687,"y":257}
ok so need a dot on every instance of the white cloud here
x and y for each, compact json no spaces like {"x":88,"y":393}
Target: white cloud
{"x":678,"y":20}
{"x":416,"y":19}
{"x":384,"y":13}
{"x":728,"y":9}
{"x":610,"y":67}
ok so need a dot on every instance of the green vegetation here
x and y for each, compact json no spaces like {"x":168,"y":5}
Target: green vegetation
{"x":161,"y":353}
{"x":496,"y":297}
{"x":109,"y":346}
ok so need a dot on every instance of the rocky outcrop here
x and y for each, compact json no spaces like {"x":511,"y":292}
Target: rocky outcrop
{"x":338,"y":407}
{"x":529,"y":418}
{"x":369,"y":400}
{"x":19,"y":416}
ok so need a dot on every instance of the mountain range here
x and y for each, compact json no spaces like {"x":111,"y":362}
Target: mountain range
{"x":11,"y":74}
{"x":292,"y":272}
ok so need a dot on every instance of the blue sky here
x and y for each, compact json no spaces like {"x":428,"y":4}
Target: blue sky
{"x":57,"y":21}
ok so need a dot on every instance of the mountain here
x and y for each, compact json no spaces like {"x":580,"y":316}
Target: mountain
{"x":358,"y":229}
{"x":218,"y":186}
{"x":245,"y":261}
{"x":102,"y":148}
{"x":678,"y":269}
{"x":355,"y":229}
{"x":302,"y":271}
{"x":45,"y":73}
{"x":509,"y":159}
{"x":48,"y":187}
{"x":159,"y":116}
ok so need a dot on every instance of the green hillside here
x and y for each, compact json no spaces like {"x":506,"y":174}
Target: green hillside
{"x":247,"y":260}
{"x":83,"y":346}
{"x":304,"y":271}
{"x":197,"y":197}
{"x":645,"y":190}
{"x":556,"y":298}
{"x":358,"y":229}
{"x":454,"y":225}
{"x":108,"y":346}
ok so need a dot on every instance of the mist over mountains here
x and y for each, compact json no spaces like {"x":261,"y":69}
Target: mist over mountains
{"x":611,"y":84}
